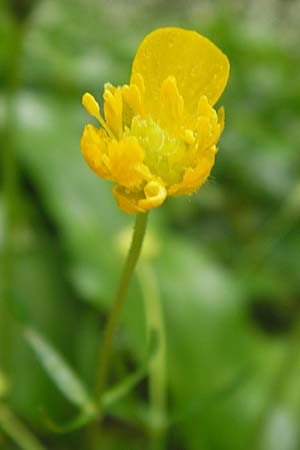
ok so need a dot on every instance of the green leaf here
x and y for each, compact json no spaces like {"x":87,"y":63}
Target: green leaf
{"x":17,"y":431}
{"x":60,"y":372}
{"x":212,"y":399}
{"x":110,"y":397}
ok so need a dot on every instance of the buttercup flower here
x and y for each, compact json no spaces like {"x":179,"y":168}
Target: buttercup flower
{"x":159,"y":133}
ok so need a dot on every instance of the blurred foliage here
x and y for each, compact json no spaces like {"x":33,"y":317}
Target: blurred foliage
{"x":228,"y":262}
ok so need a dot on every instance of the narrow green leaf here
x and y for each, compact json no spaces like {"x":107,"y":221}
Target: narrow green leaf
{"x":15,"y":429}
{"x":65,"y":379}
{"x":109,"y":398}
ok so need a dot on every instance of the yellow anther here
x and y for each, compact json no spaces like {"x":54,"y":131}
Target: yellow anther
{"x":93,"y":109}
{"x":189,"y":137}
{"x":113,"y":107}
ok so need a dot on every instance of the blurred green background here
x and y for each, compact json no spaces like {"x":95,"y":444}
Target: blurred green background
{"x":227,"y":264}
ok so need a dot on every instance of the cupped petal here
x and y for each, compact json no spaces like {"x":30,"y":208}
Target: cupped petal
{"x":125,"y":160}
{"x":200,"y":68}
{"x":155,"y":193}
{"x":152,"y":196}
{"x":94,"y":147}
{"x":127,"y":201}
{"x":195,"y":177}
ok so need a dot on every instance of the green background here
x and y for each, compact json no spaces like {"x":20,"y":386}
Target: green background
{"x":227,"y":262}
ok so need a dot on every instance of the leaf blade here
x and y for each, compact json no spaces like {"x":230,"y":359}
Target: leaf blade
{"x":63,"y":376}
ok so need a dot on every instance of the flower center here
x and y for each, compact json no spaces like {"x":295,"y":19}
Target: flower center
{"x":164,"y":155}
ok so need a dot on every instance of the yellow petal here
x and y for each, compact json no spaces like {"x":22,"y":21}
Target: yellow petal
{"x":94,"y":147}
{"x":128,"y":202}
{"x":209,"y":124}
{"x":199,"y":67}
{"x":204,"y":108}
{"x":113,"y":108}
{"x":133,"y":97}
{"x":194,"y":177}
{"x":171,"y":106}
{"x":155,"y":194}
{"x":138,"y":81}
{"x":125,"y":161}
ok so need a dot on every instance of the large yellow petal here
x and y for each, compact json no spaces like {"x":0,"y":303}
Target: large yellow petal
{"x":199,"y":67}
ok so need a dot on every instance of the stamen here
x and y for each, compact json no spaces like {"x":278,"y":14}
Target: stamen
{"x":189,"y":136}
{"x":93,"y":109}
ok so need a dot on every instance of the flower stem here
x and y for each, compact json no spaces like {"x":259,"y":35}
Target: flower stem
{"x":113,"y":319}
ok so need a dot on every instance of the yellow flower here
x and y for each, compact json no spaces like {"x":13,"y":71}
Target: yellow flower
{"x":159,"y":133}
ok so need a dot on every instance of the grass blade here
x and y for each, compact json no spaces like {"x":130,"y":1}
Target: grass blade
{"x":63,"y":376}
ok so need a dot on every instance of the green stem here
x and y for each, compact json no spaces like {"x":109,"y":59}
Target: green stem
{"x":113,"y":319}
{"x":157,"y":369}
